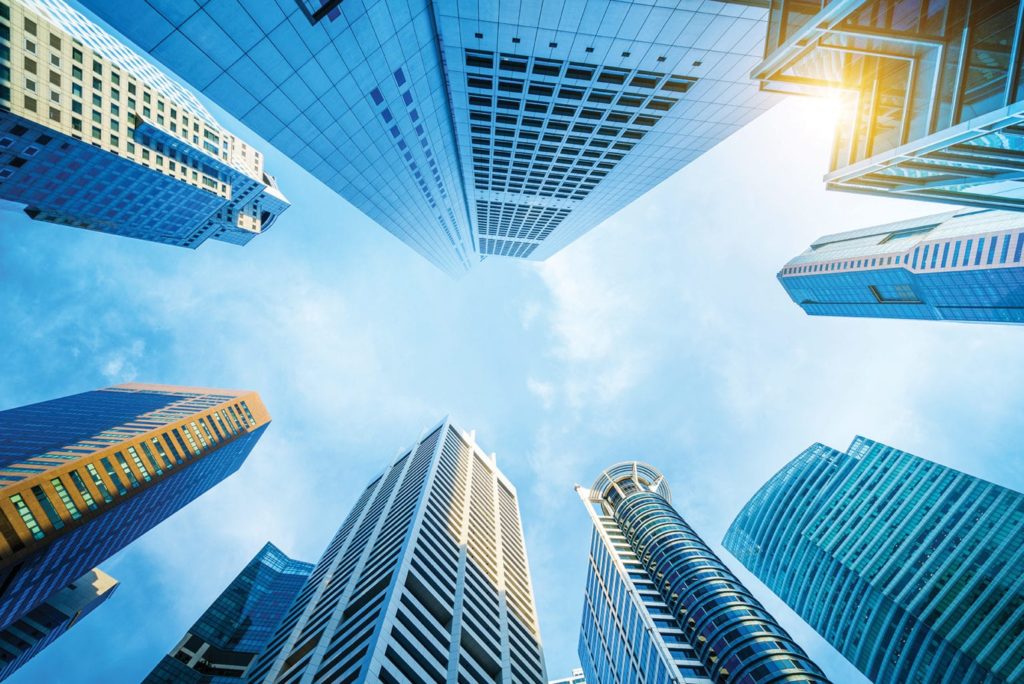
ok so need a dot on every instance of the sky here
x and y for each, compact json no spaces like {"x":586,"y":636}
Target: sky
{"x":661,"y":335}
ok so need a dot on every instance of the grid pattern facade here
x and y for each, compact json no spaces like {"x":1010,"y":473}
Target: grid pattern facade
{"x":934,"y":95}
{"x":27,"y":637}
{"x":567,"y":111}
{"x":93,"y":136}
{"x":912,"y":570}
{"x":83,"y":476}
{"x":961,"y":265}
{"x":470,"y":130}
{"x":662,"y":607}
{"x":358,"y":99}
{"x":224,"y":641}
{"x":425,"y":581}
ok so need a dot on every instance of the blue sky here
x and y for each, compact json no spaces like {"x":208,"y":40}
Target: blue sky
{"x":661,"y":335}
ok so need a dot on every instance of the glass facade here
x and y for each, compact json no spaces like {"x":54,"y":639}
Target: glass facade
{"x":426,"y":580}
{"x":83,"y":476}
{"x":932,"y":91}
{"x":958,"y":266}
{"x":28,"y":636}
{"x":94,"y":136}
{"x":471,"y":130}
{"x":661,"y":607}
{"x":225,"y":640}
{"x":912,"y":570}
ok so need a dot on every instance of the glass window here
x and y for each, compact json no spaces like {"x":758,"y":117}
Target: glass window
{"x":27,"y":517}
{"x":83,"y":490}
{"x":65,"y":498}
{"x":133,"y":452}
{"x":123,"y":462}
{"x":109,"y":467}
{"x":47,"y":506}
{"x":98,"y":481}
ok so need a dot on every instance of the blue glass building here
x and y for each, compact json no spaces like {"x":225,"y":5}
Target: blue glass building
{"x":933,"y":93}
{"x":426,"y":580}
{"x":225,"y":640}
{"x":83,"y":476}
{"x":912,"y":570}
{"x":28,"y":636}
{"x":957,"y":266}
{"x":471,"y":129}
{"x":661,"y":607}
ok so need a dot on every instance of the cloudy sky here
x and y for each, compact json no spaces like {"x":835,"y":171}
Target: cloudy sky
{"x":661,"y":335}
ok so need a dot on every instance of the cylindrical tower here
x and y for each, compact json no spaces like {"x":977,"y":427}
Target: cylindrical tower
{"x":738,"y":641}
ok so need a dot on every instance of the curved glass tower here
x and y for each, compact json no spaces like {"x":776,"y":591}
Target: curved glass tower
{"x":912,"y":570}
{"x":661,"y":606}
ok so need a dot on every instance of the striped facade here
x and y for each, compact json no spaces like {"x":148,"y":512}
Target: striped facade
{"x":912,"y":570}
{"x":661,"y":607}
{"x":426,"y":580}
{"x":83,"y":476}
{"x":963,"y":265}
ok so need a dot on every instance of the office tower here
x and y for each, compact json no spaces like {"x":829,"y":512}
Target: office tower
{"x":225,"y":640}
{"x":932,"y":93}
{"x":959,"y":266}
{"x":661,"y":607}
{"x":912,"y":570}
{"x":575,"y":678}
{"x":426,"y":580}
{"x":37,"y":629}
{"x":83,"y":476}
{"x":471,"y":130}
{"x":94,"y":136}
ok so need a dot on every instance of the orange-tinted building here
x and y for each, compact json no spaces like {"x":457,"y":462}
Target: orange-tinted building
{"x":83,"y":476}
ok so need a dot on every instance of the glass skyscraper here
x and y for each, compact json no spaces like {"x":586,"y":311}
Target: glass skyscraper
{"x":959,"y":266}
{"x":37,"y":629}
{"x":912,"y":570}
{"x":426,"y":580}
{"x":933,"y":94}
{"x":94,"y":136}
{"x":661,"y":607}
{"x":478,"y":129}
{"x":224,"y":641}
{"x":83,"y":476}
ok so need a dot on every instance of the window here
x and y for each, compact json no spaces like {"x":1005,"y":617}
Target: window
{"x":108,"y":466}
{"x":98,"y":481}
{"x":27,"y":517}
{"x":65,"y":498}
{"x":47,"y":506}
{"x":133,"y":452}
{"x":132,"y":480}
{"x":83,"y":490}
{"x":76,"y":55}
{"x":894,"y":294}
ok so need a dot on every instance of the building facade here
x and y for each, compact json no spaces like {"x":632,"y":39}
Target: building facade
{"x":471,"y":130}
{"x":83,"y":476}
{"x":933,"y":95}
{"x":225,"y":640}
{"x":426,"y":580}
{"x":22,"y":640}
{"x":94,"y":136}
{"x":575,"y":678}
{"x":912,"y":570}
{"x":958,"y":266}
{"x":661,"y":607}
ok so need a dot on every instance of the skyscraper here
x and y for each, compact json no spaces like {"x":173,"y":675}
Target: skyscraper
{"x":661,"y":607}
{"x":426,"y":580}
{"x":575,"y":678}
{"x":933,"y":98}
{"x":83,"y":476}
{"x":37,"y":629}
{"x":912,"y":570}
{"x":225,"y":640}
{"x":471,"y":129}
{"x":94,"y":136}
{"x":960,"y":266}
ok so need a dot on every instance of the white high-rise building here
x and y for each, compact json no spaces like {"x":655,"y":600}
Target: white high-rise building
{"x":94,"y":136}
{"x":425,"y":581}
